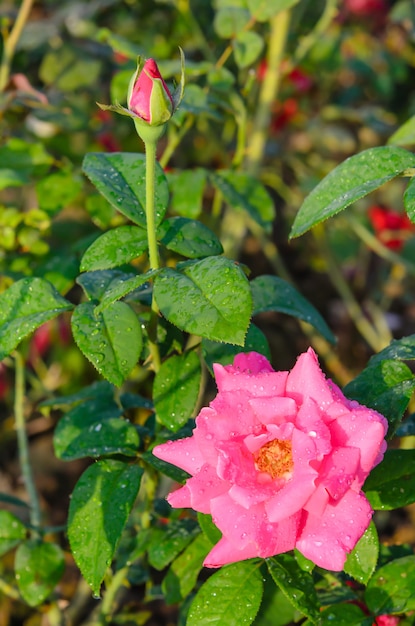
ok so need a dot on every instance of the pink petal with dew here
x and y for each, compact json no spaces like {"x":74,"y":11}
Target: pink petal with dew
{"x":183,"y":452}
{"x":180,"y":498}
{"x":338,"y":472}
{"x":242,"y":527}
{"x":224,"y":553}
{"x":234,"y":416}
{"x":318,"y":501}
{"x":274,"y":410}
{"x":307,"y":380}
{"x":254,"y":493}
{"x":326,"y":540}
{"x":273,"y":431}
{"x":309,"y":420}
{"x":204,"y":487}
{"x":235,"y":462}
{"x":364,"y":429}
{"x":263,"y":384}
{"x":252,"y":362}
{"x":295,"y":493}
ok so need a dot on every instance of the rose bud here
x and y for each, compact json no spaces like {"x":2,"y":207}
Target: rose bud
{"x":150,"y":102}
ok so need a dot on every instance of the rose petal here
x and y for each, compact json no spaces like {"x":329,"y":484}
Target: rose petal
{"x":205,"y":486}
{"x":182,"y":452}
{"x":275,"y":411}
{"x":307,"y":380}
{"x":327,"y":540}
{"x":339,"y":470}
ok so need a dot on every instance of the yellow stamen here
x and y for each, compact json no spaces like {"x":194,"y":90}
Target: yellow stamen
{"x":275,"y":458}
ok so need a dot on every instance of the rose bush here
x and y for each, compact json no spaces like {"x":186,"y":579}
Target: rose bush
{"x":278,"y":459}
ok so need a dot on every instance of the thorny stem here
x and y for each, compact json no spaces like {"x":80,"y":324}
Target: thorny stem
{"x":10,"y":42}
{"x":23,"y":445}
{"x":150,"y":147}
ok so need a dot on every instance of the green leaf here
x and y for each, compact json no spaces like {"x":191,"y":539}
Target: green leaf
{"x":245,"y":192}
{"x":209,"y":529}
{"x":25,"y":158}
{"x":173,"y":472}
{"x":224,"y":353}
{"x":187,"y":187}
{"x":407,"y":428}
{"x":111,"y":340}
{"x":356,"y":177}
{"x":405,"y":134}
{"x":39,"y":567}
{"x":98,"y":511}
{"x":276,"y":609}
{"x":167,"y":543}
{"x":392,"y":588}
{"x":270,"y":293}
{"x":263,"y":10}
{"x":184,"y":571}
{"x":26,"y":305}
{"x":362,"y":560}
{"x":97,"y":284}
{"x":59,"y":270}
{"x":398,"y":349}
{"x":190,"y":238}
{"x":115,"y":247}
{"x":57,"y":190}
{"x":296,"y":584}
{"x":120,"y":178}
{"x":385,"y":386}
{"x":232,"y":596}
{"x":122,"y":287}
{"x":229,"y":21}
{"x":68,"y":69}
{"x":247,"y":47}
{"x":409,"y":200}
{"x":101,"y":392}
{"x":176,"y":389}
{"x":87,"y":430}
{"x":12,"y":531}
{"x":10,"y":178}
{"x":344,"y":614}
{"x":210,"y":298}
{"x":391,"y":484}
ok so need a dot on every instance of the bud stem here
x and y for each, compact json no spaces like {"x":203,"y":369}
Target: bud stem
{"x":150,"y":149}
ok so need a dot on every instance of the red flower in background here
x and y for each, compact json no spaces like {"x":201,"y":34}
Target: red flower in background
{"x":366,"y":8}
{"x":391,"y":228}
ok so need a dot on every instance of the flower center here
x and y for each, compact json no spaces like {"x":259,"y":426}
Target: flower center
{"x":275,"y":458}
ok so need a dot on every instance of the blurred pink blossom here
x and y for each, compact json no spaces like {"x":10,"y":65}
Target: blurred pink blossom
{"x":278,"y":459}
{"x":386,"y":620}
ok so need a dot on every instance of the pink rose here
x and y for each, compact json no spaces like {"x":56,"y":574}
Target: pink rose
{"x":278,"y":459}
{"x":149,"y":97}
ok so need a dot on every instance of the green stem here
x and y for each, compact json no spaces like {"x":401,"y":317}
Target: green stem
{"x":150,"y":147}
{"x":150,"y":203}
{"x":10,"y":42}
{"x":108,"y":605}
{"x":310,"y":40}
{"x":23,"y":444}
{"x":269,"y":91}
{"x":353,"y":307}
